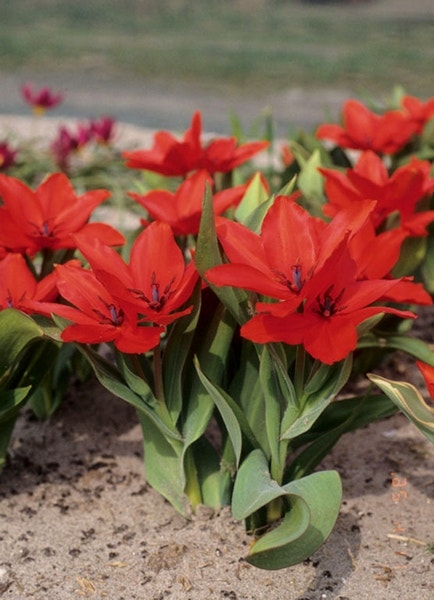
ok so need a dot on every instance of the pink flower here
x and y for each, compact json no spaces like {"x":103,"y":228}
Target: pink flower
{"x":40,"y":100}
{"x":102,"y":130}
{"x":7,"y":156}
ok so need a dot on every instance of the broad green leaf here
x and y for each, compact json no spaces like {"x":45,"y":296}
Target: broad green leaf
{"x":310,"y":182}
{"x":49,"y":327}
{"x":254,"y":487}
{"x":17,"y":330}
{"x":408,"y":399}
{"x":11,"y":401}
{"x":208,"y":255}
{"x":214,"y":478}
{"x":411,"y":345}
{"x":247,"y":392}
{"x":163,"y":464}
{"x":176,"y":357}
{"x":314,"y":507}
{"x":212,"y":351}
{"x":413,"y":251}
{"x":338,"y":418}
{"x":288,"y":188}
{"x":111,"y":379}
{"x":255,"y":218}
{"x":255,"y":195}
{"x":274,"y":406}
{"x":136,"y":383}
{"x":318,"y":394}
{"x":225,"y":406}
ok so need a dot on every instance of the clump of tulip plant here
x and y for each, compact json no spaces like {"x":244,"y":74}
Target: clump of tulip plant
{"x":239,"y":311}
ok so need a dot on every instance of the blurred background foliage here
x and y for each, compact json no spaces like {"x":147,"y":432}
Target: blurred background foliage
{"x":257,"y":44}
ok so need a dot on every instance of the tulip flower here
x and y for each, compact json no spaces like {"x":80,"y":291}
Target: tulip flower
{"x":40,"y":100}
{"x":19,"y":287}
{"x":283,"y":258}
{"x":96,"y":315}
{"x":46,"y":218}
{"x":102,"y":130}
{"x":172,"y":157}
{"x":156,"y":282}
{"x":364,"y":130}
{"x":399,"y":192}
{"x":182,"y":210}
{"x":335,"y":304}
{"x":418,"y":111}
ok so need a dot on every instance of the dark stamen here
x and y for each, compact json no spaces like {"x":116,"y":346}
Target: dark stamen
{"x":328,"y":306}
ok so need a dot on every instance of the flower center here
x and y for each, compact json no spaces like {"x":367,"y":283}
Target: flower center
{"x":297,"y":279}
{"x":157,"y":300}
{"x":45,"y":231}
{"x":327,"y":306}
{"x":116,"y":317}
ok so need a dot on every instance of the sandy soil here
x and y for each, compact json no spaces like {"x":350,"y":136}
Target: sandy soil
{"x":77,"y":518}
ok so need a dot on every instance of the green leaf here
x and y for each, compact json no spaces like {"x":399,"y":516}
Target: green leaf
{"x":49,"y":327}
{"x":274,"y":404}
{"x":337,"y":419}
{"x":317,"y":395}
{"x":253,"y":486}
{"x":314,"y":508}
{"x":163,"y":464}
{"x":208,"y":255}
{"x":411,"y":345}
{"x":410,"y":402}
{"x":212,"y":353}
{"x":176,"y":357}
{"x":413,"y":251}
{"x":17,"y":330}
{"x":225,"y":405}
{"x":111,"y":379}
{"x":255,"y":195}
{"x":214,"y":478}
{"x":310,"y":182}
{"x":288,"y":188}
{"x":135,"y":383}
{"x":11,"y":401}
{"x":246,"y":390}
{"x":255,"y":218}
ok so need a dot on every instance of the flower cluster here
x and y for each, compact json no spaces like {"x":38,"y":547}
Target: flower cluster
{"x":246,"y":301}
{"x":69,"y":143}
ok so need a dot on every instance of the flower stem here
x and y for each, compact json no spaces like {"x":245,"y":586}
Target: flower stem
{"x":300,"y":364}
{"x":158,"y":374}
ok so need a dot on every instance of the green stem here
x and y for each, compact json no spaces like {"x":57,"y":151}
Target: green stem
{"x":300,"y":364}
{"x":138,"y":367}
{"x":158,"y":374}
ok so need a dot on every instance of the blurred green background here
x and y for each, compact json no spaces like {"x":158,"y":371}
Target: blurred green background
{"x":251,"y":47}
